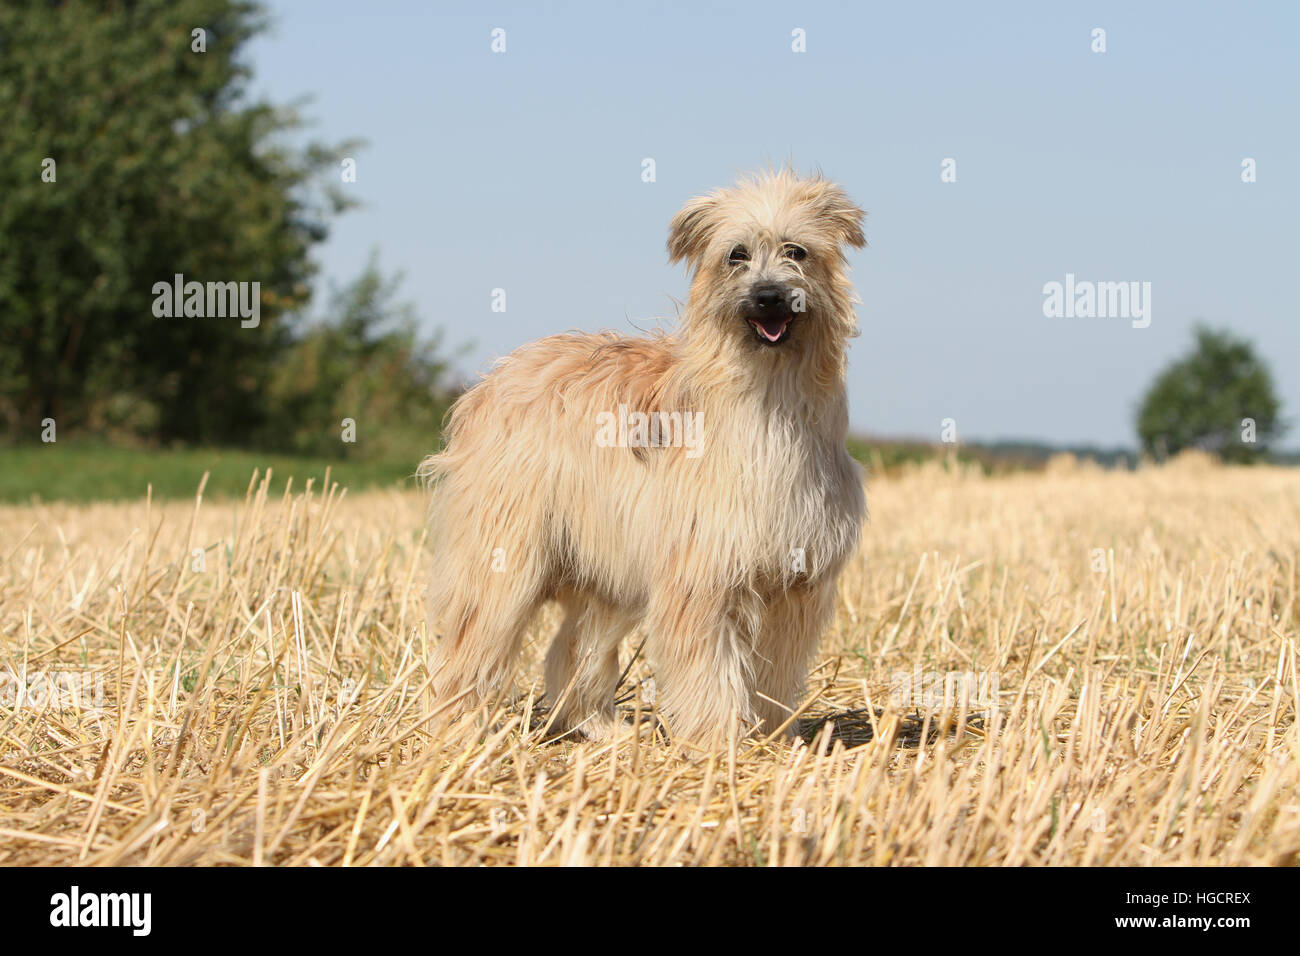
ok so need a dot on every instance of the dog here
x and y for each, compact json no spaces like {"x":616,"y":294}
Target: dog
{"x":570,"y":473}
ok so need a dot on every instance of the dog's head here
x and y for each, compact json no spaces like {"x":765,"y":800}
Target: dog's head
{"x":768,"y":261}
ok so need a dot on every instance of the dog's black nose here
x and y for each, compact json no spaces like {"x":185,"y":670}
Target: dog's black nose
{"x":768,"y":297}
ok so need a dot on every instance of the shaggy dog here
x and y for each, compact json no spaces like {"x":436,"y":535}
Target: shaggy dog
{"x":695,"y":484}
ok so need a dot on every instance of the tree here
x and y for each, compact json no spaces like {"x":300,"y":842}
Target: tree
{"x":364,"y":361}
{"x":1219,"y":398}
{"x":130,"y":154}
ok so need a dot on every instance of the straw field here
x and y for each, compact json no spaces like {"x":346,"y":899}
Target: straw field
{"x":1065,"y":667}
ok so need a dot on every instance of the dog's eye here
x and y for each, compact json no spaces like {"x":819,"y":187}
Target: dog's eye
{"x":738,"y":254}
{"x":796,"y":253}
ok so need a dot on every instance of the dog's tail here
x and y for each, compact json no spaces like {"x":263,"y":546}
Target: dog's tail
{"x":442,"y":462}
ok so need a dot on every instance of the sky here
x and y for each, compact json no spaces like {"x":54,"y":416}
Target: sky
{"x":522,"y":170}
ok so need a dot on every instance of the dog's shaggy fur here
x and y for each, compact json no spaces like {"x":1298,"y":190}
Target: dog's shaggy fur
{"x":726,"y":553}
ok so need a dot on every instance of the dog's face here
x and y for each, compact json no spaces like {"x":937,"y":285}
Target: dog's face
{"x":768,"y":259}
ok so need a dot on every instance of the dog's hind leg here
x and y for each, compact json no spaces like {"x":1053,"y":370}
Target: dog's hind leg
{"x":481,"y":599}
{"x":582,"y":665}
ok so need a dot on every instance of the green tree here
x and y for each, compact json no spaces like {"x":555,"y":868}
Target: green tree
{"x":160,"y":166}
{"x":364,"y":361}
{"x":1217,"y":398}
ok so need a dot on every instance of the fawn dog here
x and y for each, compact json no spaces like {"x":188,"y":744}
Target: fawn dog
{"x":695,"y":484}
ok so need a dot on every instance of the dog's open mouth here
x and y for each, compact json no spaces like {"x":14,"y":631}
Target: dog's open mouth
{"x":772,"y":329}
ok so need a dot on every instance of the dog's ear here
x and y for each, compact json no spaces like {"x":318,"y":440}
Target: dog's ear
{"x":689,"y":231}
{"x":842,"y":215}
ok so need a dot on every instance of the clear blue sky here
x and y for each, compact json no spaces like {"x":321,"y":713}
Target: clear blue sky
{"x":522,"y":171}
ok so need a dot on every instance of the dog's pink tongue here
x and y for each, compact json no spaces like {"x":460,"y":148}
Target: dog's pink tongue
{"x":770,"y":329}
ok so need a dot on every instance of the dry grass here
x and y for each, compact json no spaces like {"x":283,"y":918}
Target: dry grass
{"x":267,"y":709}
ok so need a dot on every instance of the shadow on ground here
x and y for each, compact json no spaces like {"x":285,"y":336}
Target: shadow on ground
{"x":852,"y":728}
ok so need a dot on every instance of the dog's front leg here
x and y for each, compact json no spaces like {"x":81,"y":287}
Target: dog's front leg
{"x":793,"y":623}
{"x":701,"y":644}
